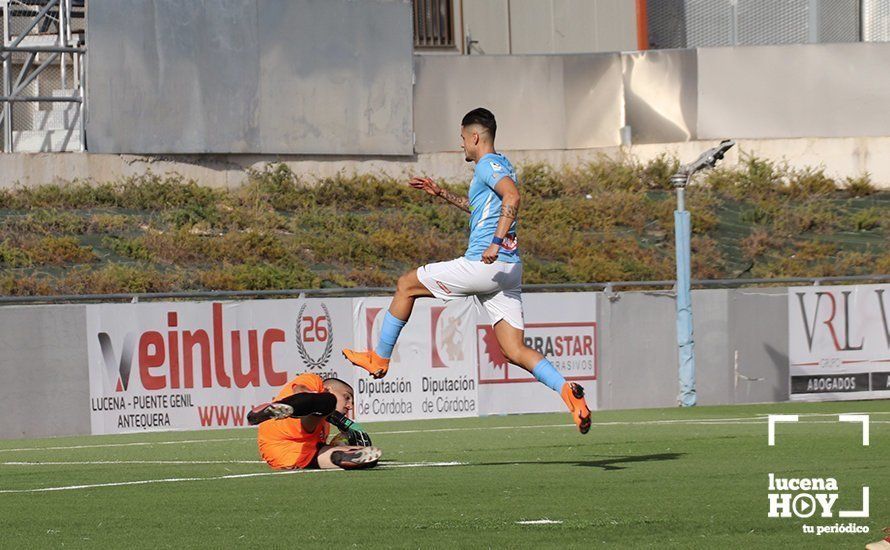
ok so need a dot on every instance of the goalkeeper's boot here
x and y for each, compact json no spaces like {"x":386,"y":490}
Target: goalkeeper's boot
{"x":883,"y":544}
{"x":366,"y":457}
{"x":269,"y":411}
{"x":573,"y":395}
{"x":368,"y":360}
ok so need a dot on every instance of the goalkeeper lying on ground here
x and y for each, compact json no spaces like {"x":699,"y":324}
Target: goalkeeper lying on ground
{"x":293,"y":430}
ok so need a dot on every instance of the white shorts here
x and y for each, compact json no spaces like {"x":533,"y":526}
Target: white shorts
{"x":496,"y":285}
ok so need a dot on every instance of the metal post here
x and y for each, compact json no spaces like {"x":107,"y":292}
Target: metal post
{"x":63,"y":40}
{"x":642,"y":26}
{"x":733,"y":23}
{"x":7,"y":82}
{"x":813,"y":22}
{"x":682,"y":238}
{"x":82,"y":110}
{"x":685,"y":341}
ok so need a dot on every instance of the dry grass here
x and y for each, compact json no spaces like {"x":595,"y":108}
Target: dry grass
{"x":606,"y":220}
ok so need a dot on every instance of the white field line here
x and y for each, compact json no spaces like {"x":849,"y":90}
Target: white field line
{"x":230,"y":476}
{"x":132,"y":444}
{"x":116,"y":462}
{"x":758,"y":419}
{"x":539,"y":522}
{"x":388,"y":464}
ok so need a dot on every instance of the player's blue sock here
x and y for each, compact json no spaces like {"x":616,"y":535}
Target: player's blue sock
{"x":547,"y":374}
{"x":389,"y":333}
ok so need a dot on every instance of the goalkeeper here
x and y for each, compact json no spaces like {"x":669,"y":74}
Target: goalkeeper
{"x":294,"y":429}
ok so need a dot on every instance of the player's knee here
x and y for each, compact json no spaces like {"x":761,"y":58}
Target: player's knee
{"x":511,"y":352}
{"x":407,"y":283}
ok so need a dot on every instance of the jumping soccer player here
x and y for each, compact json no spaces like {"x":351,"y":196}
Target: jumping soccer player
{"x":490,"y":269}
{"x":293,"y":432}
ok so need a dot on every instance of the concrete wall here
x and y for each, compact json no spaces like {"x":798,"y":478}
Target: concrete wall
{"x":554,"y":102}
{"x":828,"y":90}
{"x":346,"y":99}
{"x":768,"y":92}
{"x":638,"y":350}
{"x":757,"y":330}
{"x":258,"y":76}
{"x":44,"y":387}
{"x":548,"y":26}
{"x":741,"y":341}
{"x":840,"y":157}
{"x":741,"y":348}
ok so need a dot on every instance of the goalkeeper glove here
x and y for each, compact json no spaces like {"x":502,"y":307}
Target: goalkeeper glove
{"x":354,"y":432}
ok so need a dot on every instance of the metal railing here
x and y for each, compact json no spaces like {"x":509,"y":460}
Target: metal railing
{"x":712,"y":23}
{"x":608,"y":288}
{"x":43,"y":75}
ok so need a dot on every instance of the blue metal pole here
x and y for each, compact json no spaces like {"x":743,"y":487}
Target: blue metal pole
{"x":682,"y":235}
{"x":685,"y":341}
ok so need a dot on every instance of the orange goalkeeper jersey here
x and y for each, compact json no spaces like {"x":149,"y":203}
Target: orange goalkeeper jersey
{"x":284,"y":444}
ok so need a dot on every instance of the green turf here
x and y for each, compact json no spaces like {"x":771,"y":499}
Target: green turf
{"x":634,"y":482}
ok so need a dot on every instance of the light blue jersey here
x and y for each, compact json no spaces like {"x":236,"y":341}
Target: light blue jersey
{"x":485,"y":209}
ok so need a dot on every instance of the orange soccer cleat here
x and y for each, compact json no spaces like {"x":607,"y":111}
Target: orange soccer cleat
{"x":573,"y":395}
{"x":368,"y":360}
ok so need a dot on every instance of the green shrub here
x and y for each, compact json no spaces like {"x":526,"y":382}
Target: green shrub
{"x":153,"y":192}
{"x":12,"y":255}
{"x":117,"y":278}
{"x":47,"y":221}
{"x":609,"y":219}
{"x":540,"y":180}
{"x":257,"y":277}
{"x":810,"y":182}
{"x":110,"y":223}
{"x":656,"y":174}
{"x":867,"y":219}
{"x":130,"y":248}
{"x":52,"y":250}
{"x":860,"y":186}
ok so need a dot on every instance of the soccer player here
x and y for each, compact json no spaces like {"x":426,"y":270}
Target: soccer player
{"x":490,"y":269}
{"x":293,"y":432}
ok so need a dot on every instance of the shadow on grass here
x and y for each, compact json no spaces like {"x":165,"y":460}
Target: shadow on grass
{"x":611,"y":463}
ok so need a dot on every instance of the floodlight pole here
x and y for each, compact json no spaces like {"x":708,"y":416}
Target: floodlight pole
{"x":682,"y":237}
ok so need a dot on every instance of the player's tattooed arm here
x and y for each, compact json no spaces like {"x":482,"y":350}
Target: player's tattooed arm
{"x":428,"y":185}
{"x":509,"y":193}
{"x":510,"y":211}
{"x":461,"y":202}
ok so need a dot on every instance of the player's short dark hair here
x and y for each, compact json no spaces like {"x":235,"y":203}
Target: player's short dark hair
{"x":483,"y":117}
{"x":334,"y":379}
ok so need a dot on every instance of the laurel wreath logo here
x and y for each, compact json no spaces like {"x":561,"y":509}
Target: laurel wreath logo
{"x":301,"y":347}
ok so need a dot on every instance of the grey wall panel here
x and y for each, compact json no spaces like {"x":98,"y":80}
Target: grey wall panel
{"x":258,"y":76}
{"x":336,"y":77}
{"x":486,"y":22}
{"x":814,"y":90}
{"x":572,"y":26}
{"x":525,"y":93}
{"x":43,"y":359}
{"x":593,"y":100}
{"x":713,"y":370}
{"x":758,"y":344}
{"x":172,"y":76}
{"x":638,"y":348}
{"x":541,"y":102}
{"x":661,"y":94}
{"x":638,"y":351}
